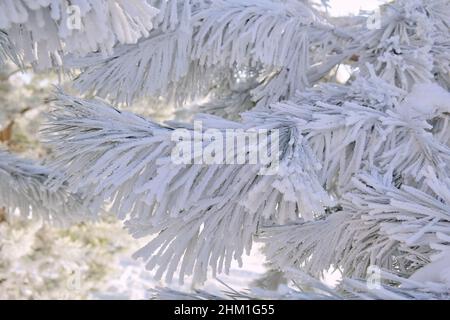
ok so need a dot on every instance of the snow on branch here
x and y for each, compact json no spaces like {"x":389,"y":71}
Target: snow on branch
{"x":42,"y":31}
{"x":308,"y":288}
{"x":412,"y":44}
{"x":23,"y":191}
{"x":384,"y":217}
{"x":7,"y":50}
{"x":209,"y":36}
{"x":203,"y":214}
{"x":149,"y":66}
{"x":275,"y":34}
{"x":327,"y":135}
{"x":354,"y":127}
{"x":377,"y":224}
{"x":394,"y":287}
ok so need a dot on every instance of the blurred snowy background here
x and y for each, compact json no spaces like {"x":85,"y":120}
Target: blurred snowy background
{"x":93,"y":260}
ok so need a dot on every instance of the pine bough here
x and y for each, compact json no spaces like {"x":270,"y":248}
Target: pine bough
{"x":391,"y":195}
{"x":23,"y":191}
{"x":44,"y":30}
{"x":364,"y":173}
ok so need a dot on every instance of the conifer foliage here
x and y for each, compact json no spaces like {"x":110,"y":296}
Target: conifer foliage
{"x":362,"y":177}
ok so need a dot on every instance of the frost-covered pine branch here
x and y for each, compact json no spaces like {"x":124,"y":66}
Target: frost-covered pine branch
{"x":394,"y":288}
{"x":362,"y":173}
{"x":7,"y":50}
{"x":370,"y":124}
{"x":199,"y":205}
{"x":45,"y":30}
{"x":23,"y":191}
{"x":400,"y":230}
{"x":304,"y":287}
{"x":328,"y":135}
{"x":411,"y":45}
{"x":385,"y":220}
{"x":180,"y":58}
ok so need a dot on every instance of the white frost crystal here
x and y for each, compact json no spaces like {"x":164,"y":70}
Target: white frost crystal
{"x":44,"y":30}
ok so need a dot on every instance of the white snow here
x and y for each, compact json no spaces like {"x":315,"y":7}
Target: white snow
{"x":426,"y":99}
{"x":437,"y":272}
